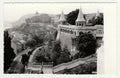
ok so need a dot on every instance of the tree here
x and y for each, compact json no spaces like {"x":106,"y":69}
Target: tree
{"x":65,"y":56}
{"x":98,"y":20}
{"x":48,"y":58}
{"x":56,"y":52}
{"x":40,"y":58}
{"x":35,"y":40}
{"x":25,"y":59}
{"x":31,"y":43}
{"x":86,"y":44}
{"x":8,"y":51}
{"x":38,"y":39}
{"x":72,"y":16}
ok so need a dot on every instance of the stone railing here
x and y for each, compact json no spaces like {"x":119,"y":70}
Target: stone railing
{"x":68,"y":65}
{"x":73,"y":29}
{"x":72,"y":64}
{"x":78,"y":27}
{"x":37,"y":67}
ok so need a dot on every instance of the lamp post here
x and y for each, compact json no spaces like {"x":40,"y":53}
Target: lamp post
{"x":42,"y":68}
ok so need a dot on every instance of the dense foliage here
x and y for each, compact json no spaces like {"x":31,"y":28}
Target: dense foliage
{"x":72,"y":16}
{"x":97,"y":20}
{"x":56,"y":52}
{"x":40,"y":58}
{"x":8,"y":51}
{"x":64,"y":56}
{"x":86,"y":44}
{"x":35,"y":40}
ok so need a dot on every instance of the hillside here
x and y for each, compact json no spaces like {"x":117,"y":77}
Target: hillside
{"x":33,"y":17}
{"x":43,"y":17}
{"x":22,"y":20}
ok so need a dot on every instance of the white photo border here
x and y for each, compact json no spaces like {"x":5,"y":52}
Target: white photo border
{"x":114,"y":41}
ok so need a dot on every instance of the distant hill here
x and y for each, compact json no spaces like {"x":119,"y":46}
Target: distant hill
{"x":34,"y":17}
{"x":39,"y":18}
{"x":43,"y":18}
{"x":22,"y":20}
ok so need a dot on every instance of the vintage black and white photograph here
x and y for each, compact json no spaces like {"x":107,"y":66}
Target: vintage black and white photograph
{"x":53,"y":38}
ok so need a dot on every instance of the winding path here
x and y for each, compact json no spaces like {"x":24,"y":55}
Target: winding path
{"x":33,"y":54}
{"x":34,"y":67}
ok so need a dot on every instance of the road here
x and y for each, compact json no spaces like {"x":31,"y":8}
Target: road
{"x":33,"y":53}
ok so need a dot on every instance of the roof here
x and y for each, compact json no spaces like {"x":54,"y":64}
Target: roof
{"x":80,"y":16}
{"x":62,"y":17}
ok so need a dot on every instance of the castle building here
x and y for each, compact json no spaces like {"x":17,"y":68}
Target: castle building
{"x":67,"y":33}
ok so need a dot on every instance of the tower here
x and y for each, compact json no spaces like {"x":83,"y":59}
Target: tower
{"x":80,"y":21}
{"x":62,"y":19}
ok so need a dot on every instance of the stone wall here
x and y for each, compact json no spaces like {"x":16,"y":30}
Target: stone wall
{"x":67,"y":32}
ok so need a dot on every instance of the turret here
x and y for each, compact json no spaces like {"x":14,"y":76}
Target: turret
{"x":80,"y":21}
{"x":62,"y":19}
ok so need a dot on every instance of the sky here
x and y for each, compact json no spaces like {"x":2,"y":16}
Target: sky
{"x":13,"y":11}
